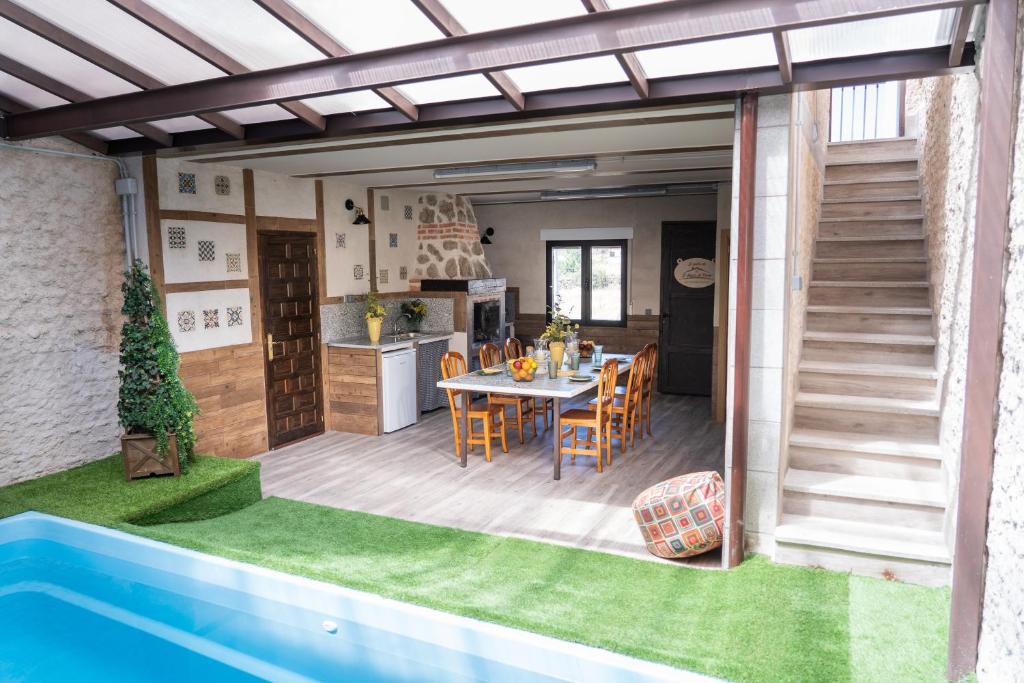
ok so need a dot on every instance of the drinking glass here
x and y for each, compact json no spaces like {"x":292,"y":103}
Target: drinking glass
{"x":552,"y":368}
{"x":598,"y":352}
{"x":575,"y":363}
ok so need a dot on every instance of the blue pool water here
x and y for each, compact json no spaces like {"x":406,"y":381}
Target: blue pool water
{"x":82,"y":603}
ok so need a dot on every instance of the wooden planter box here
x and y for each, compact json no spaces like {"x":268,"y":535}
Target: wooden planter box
{"x":142,"y":460}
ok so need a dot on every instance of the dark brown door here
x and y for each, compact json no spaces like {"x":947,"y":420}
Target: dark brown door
{"x":687,"y":308}
{"x":291,"y":329}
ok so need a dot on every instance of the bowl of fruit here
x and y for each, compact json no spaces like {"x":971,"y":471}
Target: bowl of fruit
{"x":523,"y":369}
{"x":586,"y":348}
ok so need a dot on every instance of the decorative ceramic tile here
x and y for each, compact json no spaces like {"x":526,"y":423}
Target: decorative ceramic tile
{"x":176,"y":236}
{"x":222,"y":185}
{"x":393,"y":240}
{"x":357,"y":272}
{"x":234,"y":316}
{"x":408,"y":212}
{"x":339,"y":240}
{"x":234,"y":262}
{"x":186,"y":321}
{"x":187,"y":183}
{"x":382,"y":276}
{"x":403,"y":273}
{"x":211,"y":318}
{"x":385,"y":202}
{"x":207,"y":250}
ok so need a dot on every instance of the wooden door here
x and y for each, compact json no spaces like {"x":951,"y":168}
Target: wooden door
{"x":686,"y":335}
{"x":291,"y":333}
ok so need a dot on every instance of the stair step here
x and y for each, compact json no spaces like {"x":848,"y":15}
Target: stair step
{"x":871,"y":284}
{"x":864,"y":443}
{"x":872,"y":200}
{"x":862,"y":487}
{"x":880,"y":179}
{"x":862,"y":162}
{"x":868,"y":369}
{"x":881,"y":540}
{"x":871,"y":338}
{"x":874,"y":259}
{"x":872,"y":219}
{"x":868,"y":404}
{"x":870,"y":310}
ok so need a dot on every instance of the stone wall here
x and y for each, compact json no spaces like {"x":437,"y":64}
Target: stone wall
{"x":61,"y":236}
{"x":449,"y":241}
{"x":1001,"y":650}
{"x":944,"y":113}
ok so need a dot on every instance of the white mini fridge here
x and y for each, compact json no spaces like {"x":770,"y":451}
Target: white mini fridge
{"x":398,"y":390}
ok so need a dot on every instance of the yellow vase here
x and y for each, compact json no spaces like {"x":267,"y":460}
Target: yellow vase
{"x":373,"y":329}
{"x":557,"y":351}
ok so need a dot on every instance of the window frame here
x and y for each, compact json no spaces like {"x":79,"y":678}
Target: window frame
{"x":585,"y":273}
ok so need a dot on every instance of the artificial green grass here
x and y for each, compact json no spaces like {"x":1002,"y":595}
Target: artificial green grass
{"x":98,"y":493}
{"x":759,"y":622}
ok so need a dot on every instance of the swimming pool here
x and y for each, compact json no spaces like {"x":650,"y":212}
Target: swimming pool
{"x":85,"y":603}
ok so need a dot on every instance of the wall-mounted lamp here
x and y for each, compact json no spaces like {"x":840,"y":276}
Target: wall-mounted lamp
{"x":361,"y":218}
{"x":486,"y":239}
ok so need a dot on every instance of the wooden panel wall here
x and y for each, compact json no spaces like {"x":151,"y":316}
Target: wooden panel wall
{"x":352,"y":398}
{"x":639,"y":330}
{"x":228,"y":385}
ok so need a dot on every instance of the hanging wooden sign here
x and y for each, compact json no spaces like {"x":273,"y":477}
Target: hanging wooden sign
{"x":695,"y":273}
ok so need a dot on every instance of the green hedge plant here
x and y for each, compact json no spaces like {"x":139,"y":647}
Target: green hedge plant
{"x":152,"y":399}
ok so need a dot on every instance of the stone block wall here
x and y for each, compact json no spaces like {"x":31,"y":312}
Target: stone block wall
{"x":449,"y":240}
{"x":61,"y":236}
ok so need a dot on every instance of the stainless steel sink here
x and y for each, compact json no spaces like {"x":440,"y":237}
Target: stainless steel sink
{"x":405,"y":336}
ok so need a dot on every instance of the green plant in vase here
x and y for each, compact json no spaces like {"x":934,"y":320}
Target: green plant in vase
{"x":416,"y":310}
{"x":374,"y":313}
{"x":154,"y":407}
{"x":555,"y":333}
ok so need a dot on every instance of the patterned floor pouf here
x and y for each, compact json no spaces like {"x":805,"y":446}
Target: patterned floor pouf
{"x":682,"y":516}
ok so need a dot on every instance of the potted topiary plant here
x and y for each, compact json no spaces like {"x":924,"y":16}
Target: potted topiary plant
{"x":154,"y":407}
{"x":374,"y":313}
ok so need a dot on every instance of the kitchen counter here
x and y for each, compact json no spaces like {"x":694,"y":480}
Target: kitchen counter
{"x":385,"y":344}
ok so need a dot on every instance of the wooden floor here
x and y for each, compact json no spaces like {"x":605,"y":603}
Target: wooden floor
{"x":412,"y":474}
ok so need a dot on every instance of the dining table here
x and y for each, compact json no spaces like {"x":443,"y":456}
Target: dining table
{"x":542,"y":386}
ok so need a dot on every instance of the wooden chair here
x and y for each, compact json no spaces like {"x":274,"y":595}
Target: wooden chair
{"x":490,"y":356}
{"x":597,"y":422}
{"x":625,"y":408}
{"x":514,"y":349}
{"x":492,"y":416}
{"x":647,"y":392}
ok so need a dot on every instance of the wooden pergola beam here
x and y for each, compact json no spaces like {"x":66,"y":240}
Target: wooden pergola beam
{"x":785,"y":61}
{"x":66,"y":92}
{"x":627,"y":60}
{"x":174,"y":31}
{"x":439,"y":15}
{"x":321,"y":40}
{"x":89,"y":52}
{"x":961,"y":26}
{"x":12,"y":106}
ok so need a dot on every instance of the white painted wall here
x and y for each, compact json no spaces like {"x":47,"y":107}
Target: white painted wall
{"x":392,"y":221}
{"x":341,"y":260}
{"x":205,"y":197}
{"x":183,"y":264}
{"x":281,"y":195}
{"x":212,"y":321}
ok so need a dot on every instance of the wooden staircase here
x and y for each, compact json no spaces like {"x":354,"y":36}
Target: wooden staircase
{"x":865,"y":489}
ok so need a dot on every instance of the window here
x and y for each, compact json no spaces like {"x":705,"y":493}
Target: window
{"x":587,"y":280}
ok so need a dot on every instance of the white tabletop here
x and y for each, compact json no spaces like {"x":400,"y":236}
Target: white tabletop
{"x":542,"y":385}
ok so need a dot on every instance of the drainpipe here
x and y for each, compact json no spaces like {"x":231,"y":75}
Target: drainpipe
{"x":126,"y":187}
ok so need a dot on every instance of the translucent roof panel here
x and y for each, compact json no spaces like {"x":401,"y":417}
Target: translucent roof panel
{"x":56,"y":62}
{"x":115,"y":133}
{"x":887,"y":34}
{"x":363,"y":25}
{"x":258,"y":114}
{"x":241,"y":29}
{"x":618,"y":4}
{"x":26,"y":93}
{"x":181,"y":124}
{"x":726,"y":54}
{"x":343,"y":103}
{"x":476,"y":16}
{"x":101,"y":23}
{"x":569,"y":74}
{"x":446,"y":89}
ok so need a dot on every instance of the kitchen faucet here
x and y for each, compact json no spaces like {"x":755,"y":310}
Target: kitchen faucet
{"x":398,"y":319}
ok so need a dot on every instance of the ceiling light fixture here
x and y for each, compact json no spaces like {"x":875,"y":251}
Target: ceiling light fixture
{"x":519,"y":168}
{"x":605,"y":192}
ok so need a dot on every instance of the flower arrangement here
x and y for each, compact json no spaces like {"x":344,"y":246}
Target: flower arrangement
{"x":373,"y":309}
{"x":415,"y":309}
{"x":559,"y":327}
